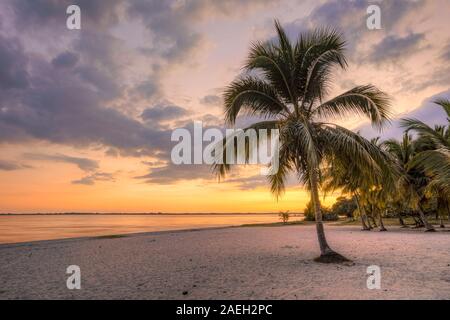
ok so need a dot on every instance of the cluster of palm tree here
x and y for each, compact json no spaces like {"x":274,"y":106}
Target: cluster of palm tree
{"x":287,"y":84}
{"x":416,"y":180}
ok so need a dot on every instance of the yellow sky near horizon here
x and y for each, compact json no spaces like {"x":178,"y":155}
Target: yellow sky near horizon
{"x":47,"y":171}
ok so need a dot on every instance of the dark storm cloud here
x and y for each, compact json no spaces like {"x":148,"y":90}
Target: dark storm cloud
{"x":428,"y":112}
{"x":84,"y":164}
{"x":394,"y":47}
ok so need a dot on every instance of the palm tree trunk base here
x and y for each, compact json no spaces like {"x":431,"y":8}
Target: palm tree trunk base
{"x":383,"y":229}
{"x":331,"y":257}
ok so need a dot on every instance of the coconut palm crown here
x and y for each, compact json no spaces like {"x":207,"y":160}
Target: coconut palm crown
{"x":287,"y":84}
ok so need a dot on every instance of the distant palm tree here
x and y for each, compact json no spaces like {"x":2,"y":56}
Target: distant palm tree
{"x":411,"y":182}
{"x":286,"y":84}
{"x":433,"y":156}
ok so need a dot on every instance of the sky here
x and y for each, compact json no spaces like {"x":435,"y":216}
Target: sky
{"x":86,"y":115}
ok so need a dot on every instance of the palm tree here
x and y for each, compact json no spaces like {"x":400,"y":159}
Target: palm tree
{"x":367,"y":189}
{"x":433,"y":158}
{"x":411,"y":182}
{"x":286,"y":83}
{"x":342,"y":176}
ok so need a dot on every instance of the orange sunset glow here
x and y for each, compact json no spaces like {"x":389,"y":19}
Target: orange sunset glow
{"x":85,"y":120}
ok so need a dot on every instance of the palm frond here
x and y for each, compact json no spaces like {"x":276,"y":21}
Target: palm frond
{"x":221,"y":166}
{"x":363,"y":100}
{"x":445,"y":104}
{"x":273,"y":62}
{"x":436,"y":165}
{"x":425,"y":131}
{"x":316,"y":53}
{"x":252,"y":96}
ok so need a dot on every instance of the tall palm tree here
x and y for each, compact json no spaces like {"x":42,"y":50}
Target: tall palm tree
{"x":286,"y":83}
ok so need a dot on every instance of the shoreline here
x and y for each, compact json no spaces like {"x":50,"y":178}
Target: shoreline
{"x":340,"y":224}
{"x":149,"y":233}
{"x":146,"y":214}
{"x":230,"y":263}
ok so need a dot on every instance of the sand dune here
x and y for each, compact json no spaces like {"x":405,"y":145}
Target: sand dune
{"x":233,"y":263}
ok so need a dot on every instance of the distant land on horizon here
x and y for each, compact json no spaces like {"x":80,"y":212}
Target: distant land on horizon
{"x":140,"y":214}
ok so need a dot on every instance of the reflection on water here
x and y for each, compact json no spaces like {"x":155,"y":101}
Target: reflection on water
{"x":44,"y":227}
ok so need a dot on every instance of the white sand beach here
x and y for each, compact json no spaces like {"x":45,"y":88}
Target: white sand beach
{"x":231,"y":263}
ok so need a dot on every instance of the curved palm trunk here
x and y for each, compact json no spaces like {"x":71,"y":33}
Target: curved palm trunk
{"x":448,"y":210}
{"x":428,"y":226}
{"x":402,"y":222}
{"x":364,"y":221}
{"x":380,"y":219}
{"x":327,"y":255}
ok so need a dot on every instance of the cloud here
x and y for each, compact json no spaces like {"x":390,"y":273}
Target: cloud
{"x":72,"y":97}
{"x":171,"y":173}
{"x":13,"y":63}
{"x":30,"y":14}
{"x":446,"y":53}
{"x":428,"y":112}
{"x":91,"y":179}
{"x":211,"y":100}
{"x":12,"y":166}
{"x":65,"y":60}
{"x":148,"y":88}
{"x":393,"y":47}
{"x":82,"y":163}
{"x":349,"y":17}
{"x":163,"y":113}
{"x":247,"y":183}
{"x":71,"y":108}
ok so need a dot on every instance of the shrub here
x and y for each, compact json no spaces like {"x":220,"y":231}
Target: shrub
{"x":344,"y":207}
{"x":284,"y":216}
{"x":327,"y":215}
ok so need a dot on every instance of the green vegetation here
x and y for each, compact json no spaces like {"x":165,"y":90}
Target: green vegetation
{"x":415,"y":184}
{"x":327,"y":214}
{"x":284,"y":216}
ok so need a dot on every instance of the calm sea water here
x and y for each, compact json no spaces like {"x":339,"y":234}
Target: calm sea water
{"x":45,"y":227}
